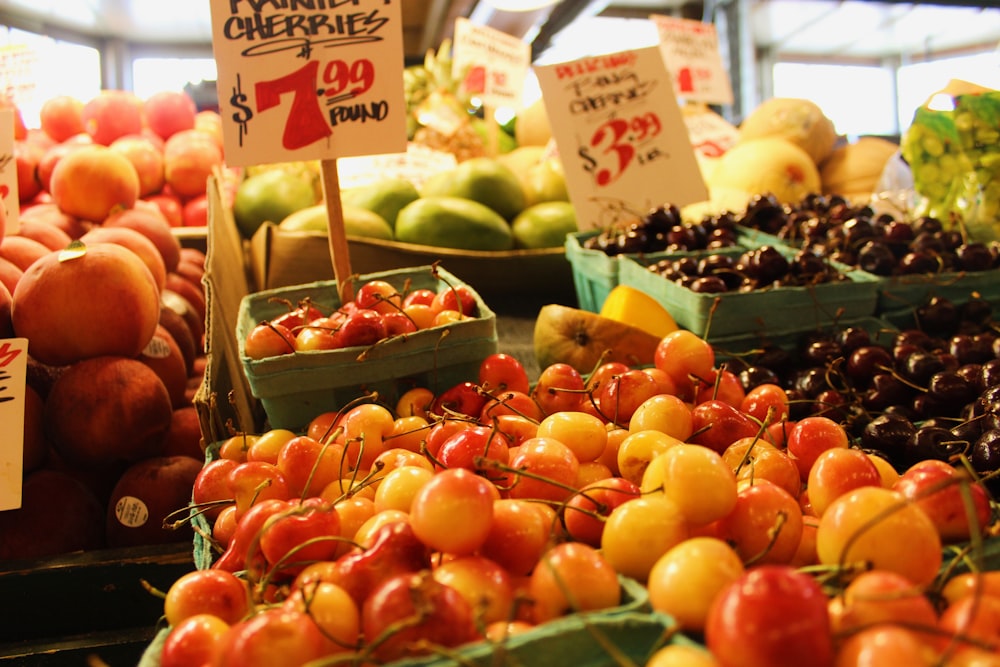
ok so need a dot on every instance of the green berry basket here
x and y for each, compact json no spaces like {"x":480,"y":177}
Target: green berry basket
{"x":295,"y":388}
{"x":745,"y":313}
{"x":900,"y":296}
{"x":595,"y":273}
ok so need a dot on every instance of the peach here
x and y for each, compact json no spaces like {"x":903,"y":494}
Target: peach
{"x":164,"y":356}
{"x":35,"y":445}
{"x":192,"y":292}
{"x":58,"y":515}
{"x":195,"y":213}
{"x":61,"y":117}
{"x":170,"y":206}
{"x":54,"y":154}
{"x":106,"y":410}
{"x":190,"y":157}
{"x":179,"y":330}
{"x":135,"y":241}
{"x":6,"y":326}
{"x":92,"y":182}
{"x":27,"y":157}
{"x":43,"y":231}
{"x":209,"y":120}
{"x":147,"y":159}
{"x":184,"y":437}
{"x":75,"y":304}
{"x":22,"y":251}
{"x":148,"y":495}
{"x":169,"y":112}
{"x":10,"y":274}
{"x":49,"y":213}
{"x":180,"y":305}
{"x":150,"y":223}
{"x":111,"y":114}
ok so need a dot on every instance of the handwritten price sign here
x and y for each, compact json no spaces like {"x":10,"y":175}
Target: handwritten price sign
{"x":490,"y":63}
{"x":621,"y":136}
{"x":13,"y":380}
{"x":691,"y":50}
{"x":309,"y":80}
{"x":8,"y":172}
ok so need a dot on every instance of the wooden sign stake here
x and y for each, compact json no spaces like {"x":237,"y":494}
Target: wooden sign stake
{"x":339,"y":250}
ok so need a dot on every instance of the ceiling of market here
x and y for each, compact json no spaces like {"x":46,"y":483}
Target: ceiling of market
{"x":860,"y":29}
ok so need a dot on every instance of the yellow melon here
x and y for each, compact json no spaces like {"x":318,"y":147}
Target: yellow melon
{"x":766,"y":165}
{"x":854,"y":169}
{"x":531,"y":127}
{"x":798,"y":120}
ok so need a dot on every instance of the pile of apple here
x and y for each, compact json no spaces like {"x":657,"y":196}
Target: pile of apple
{"x":113,"y":308}
{"x":378,"y":311}
{"x":384,"y":532}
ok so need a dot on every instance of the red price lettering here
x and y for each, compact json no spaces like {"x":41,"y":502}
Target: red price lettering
{"x":617,"y":138}
{"x":340,"y":75}
{"x":305,"y":124}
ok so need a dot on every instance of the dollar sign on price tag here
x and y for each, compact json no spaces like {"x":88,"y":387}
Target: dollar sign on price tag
{"x":309,"y":81}
{"x":621,"y":136}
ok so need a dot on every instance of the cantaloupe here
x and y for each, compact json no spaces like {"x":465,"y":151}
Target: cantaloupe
{"x":800,"y":121}
{"x":765,"y":165}
{"x":854,"y":169}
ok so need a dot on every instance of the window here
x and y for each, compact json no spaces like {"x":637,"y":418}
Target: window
{"x":918,"y":81}
{"x":858,"y":99}
{"x":35,"y":68}
{"x":153,"y":75}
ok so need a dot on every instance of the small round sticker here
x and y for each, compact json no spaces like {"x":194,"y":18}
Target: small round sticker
{"x":157,"y":348}
{"x":131,"y":512}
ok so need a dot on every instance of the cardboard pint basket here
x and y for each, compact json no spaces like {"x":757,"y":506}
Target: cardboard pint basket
{"x":294,"y":388}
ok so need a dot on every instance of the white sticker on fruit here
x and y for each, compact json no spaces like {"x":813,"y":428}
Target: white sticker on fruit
{"x":131,"y":512}
{"x":157,"y":348}
{"x":691,"y":51}
{"x":13,"y":382}
{"x":621,"y":136}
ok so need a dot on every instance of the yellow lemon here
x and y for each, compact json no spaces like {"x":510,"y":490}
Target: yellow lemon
{"x":633,"y":306}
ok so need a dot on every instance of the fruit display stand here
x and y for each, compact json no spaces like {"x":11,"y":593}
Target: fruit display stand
{"x":66,"y":609}
{"x":279,"y":258}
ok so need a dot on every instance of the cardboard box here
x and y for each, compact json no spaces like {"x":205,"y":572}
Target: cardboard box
{"x":279,"y":258}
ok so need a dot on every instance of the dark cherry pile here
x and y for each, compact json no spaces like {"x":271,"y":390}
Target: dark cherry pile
{"x":880,"y":244}
{"x":931,"y":391}
{"x":662,"y":230}
{"x":754,"y":269}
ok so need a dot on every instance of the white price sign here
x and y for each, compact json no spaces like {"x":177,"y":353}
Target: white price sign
{"x":621,"y":136}
{"x":13,"y":378}
{"x":691,"y":51}
{"x":490,"y":63}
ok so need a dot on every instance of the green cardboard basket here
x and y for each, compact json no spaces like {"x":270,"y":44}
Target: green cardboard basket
{"x":295,"y":388}
{"x":746,"y":313}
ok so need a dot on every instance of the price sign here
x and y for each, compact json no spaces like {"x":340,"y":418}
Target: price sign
{"x":711,"y":134}
{"x":490,"y":63}
{"x":309,"y":80}
{"x":8,"y":172}
{"x":691,"y":50}
{"x":13,"y":373}
{"x":621,"y":136}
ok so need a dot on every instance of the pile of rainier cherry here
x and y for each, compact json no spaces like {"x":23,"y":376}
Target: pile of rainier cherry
{"x":768,"y":536}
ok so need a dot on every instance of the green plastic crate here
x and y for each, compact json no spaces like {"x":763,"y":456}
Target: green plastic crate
{"x":744,"y":313}
{"x":295,"y":388}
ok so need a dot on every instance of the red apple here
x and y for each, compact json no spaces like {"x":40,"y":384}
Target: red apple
{"x":184,"y":435}
{"x":164,"y":356}
{"x":119,"y":315}
{"x":111,"y":114}
{"x":61,"y":117}
{"x":170,"y":111}
{"x":147,"y":160}
{"x":151,"y":495}
{"x":92,"y":182}
{"x":190,"y":156}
